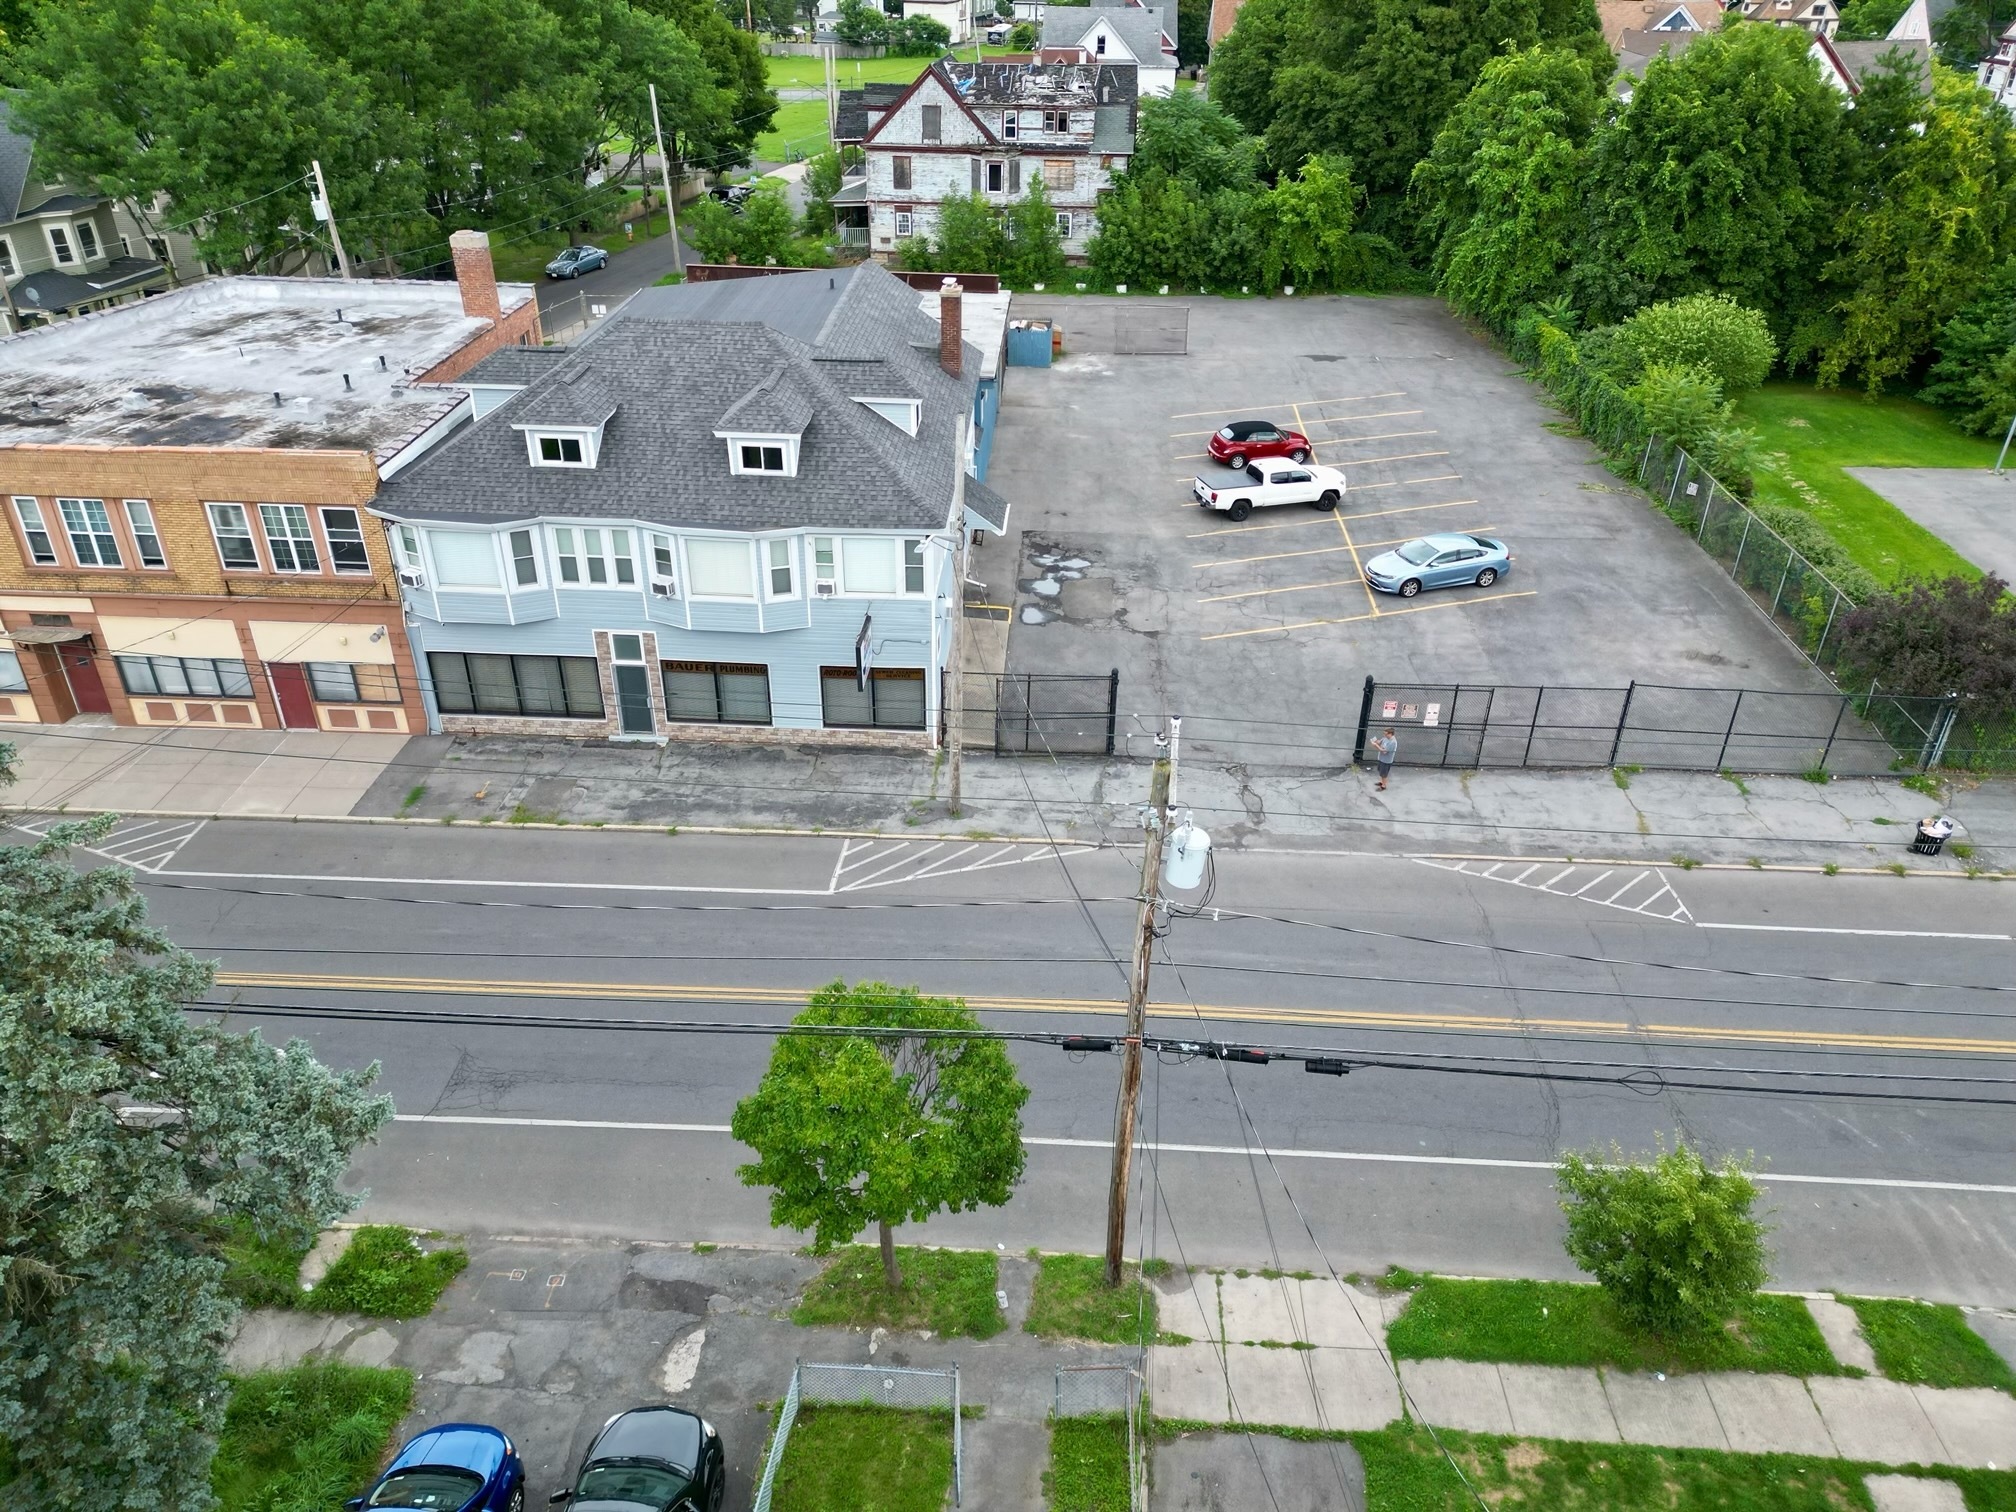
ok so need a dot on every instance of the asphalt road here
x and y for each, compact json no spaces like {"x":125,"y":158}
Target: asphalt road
{"x":564,"y":302}
{"x":1835,"y":1022}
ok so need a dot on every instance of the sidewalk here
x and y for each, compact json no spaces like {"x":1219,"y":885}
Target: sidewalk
{"x":1854,"y":824}
{"x":1309,"y":1354}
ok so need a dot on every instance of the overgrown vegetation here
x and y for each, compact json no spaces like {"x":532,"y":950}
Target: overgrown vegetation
{"x":1073,"y":1301}
{"x":1088,"y":1465}
{"x":1566,"y":1323}
{"x":948,"y":1292}
{"x":1929,"y":1344}
{"x":847,"y":1459}
{"x":261,"y":1269}
{"x":302,"y":1440}
{"x":385,"y":1273}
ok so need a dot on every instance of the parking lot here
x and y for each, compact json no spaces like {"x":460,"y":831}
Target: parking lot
{"x":1262,"y":632}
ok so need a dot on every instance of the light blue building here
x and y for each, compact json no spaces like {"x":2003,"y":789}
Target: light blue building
{"x":735,"y":506}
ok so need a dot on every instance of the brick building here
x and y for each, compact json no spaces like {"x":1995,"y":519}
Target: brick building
{"x":186,"y":484}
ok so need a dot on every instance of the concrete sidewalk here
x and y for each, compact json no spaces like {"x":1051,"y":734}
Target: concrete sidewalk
{"x":1294,"y":1353}
{"x":1855,"y":824}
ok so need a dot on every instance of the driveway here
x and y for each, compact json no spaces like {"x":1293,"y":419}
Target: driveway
{"x":1262,"y":633}
{"x":566,"y":302}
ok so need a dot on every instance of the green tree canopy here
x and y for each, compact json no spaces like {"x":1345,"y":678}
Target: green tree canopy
{"x":1261,"y":43}
{"x":851,"y":1130}
{"x":1187,"y":137}
{"x":127,"y":1129}
{"x":1034,"y":253}
{"x":1710,"y":332}
{"x":1975,"y":375}
{"x":1501,"y":191}
{"x":1721,"y":175}
{"x":1935,"y":221}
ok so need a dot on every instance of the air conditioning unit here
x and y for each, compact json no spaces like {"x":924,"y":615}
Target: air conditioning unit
{"x":412,"y":580}
{"x":825,"y":590}
{"x":665,"y":590}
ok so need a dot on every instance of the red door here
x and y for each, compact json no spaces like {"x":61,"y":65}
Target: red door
{"x":80,"y":663}
{"x":290,"y":689}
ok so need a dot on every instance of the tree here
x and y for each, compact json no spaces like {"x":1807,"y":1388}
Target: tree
{"x":919,"y":37}
{"x":1869,"y":20}
{"x":861,"y":24}
{"x":1933,"y":225}
{"x":1307,"y":231}
{"x":851,"y":1130}
{"x":1975,"y":375}
{"x":127,"y":1130}
{"x":969,"y":238}
{"x":1155,"y":229}
{"x":1193,"y":33}
{"x":1710,"y":332}
{"x":1671,"y":1241}
{"x":1034,"y":253}
{"x":1722,"y":174}
{"x":1022,"y":37}
{"x":1187,"y":137}
{"x":1955,"y":636}
{"x":1263,"y":40}
{"x":1501,"y":191}
{"x":1969,"y":29}
{"x":823,"y":176}
{"x":735,"y":58}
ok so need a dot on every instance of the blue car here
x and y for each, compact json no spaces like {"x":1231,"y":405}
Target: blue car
{"x":1439,"y":561}
{"x":577,"y":260}
{"x":457,"y":1467}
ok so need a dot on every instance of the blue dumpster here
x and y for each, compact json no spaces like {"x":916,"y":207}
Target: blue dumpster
{"x":1028,"y":343}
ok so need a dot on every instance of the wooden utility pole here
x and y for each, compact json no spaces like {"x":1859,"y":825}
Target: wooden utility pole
{"x":329,"y":216}
{"x":665,"y":171}
{"x":1137,"y":1008}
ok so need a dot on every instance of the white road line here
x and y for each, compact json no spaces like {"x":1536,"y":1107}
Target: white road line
{"x":1366,"y":1157}
{"x":636,"y":887}
{"x":868,"y":877}
{"x":840,"y":865}
{"x":933,"y":867}
{"x":1548,"y":885}
{"x":1894,"y":934}
{"x":1607,"y":872}
{"x":870,"y":851}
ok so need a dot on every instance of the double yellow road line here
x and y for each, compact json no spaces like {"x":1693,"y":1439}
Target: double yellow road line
{"x":1343,"y":1018}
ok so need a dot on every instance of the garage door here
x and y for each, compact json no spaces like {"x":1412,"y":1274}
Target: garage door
{"x":1119,"y":327}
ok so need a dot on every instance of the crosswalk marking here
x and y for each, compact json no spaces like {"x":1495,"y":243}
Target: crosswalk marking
{"x":885,"y":863}
{"x":143,"y":844}
{"x":1640,"y":890}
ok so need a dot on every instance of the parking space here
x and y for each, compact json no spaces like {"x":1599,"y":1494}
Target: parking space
{"x":1262,"y":631}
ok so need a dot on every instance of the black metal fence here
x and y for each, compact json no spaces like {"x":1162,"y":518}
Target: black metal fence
{"x":1040,"y":713}
{"x":1656,"y":726}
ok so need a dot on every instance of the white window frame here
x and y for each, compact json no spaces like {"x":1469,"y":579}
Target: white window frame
{"x":1064,"y":224}
{"x":605,"y":551}
{"x":768,"y":566}
{"x":748,"y":545}
{"x":664,"y":574}
{"x":587,"y":437}
{"x":531,"y":534}
{"x":8,"y":267}
{"x":88,"y":245}
{"x":436,"y":535}
{"x":1011,"y":125}
{"x":23,"y":504}
{"x":293,"y":541}
{"x":329,"y":539}
{"x":828,"y":574}
{"x":901,"y":413}
{"x":915,"y":545}
{"x":250,"y":533}
{"x":140,"y":525}
{"x":96,"y":540}
{"x":906,"y":223}
{"x":59,"y":246}
{"x":788,"y":445}
{"x":405,"y":545}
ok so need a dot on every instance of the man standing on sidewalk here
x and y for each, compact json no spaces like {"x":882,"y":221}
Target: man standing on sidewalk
{"x":1385,"y":746}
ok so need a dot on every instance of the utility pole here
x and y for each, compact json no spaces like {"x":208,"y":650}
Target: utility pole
{"x":955,"y":652}
{"x":665,"y":170}
{"x":1157,"y":824}
{"x":326,"y":212}
{"x":2003,"y":456}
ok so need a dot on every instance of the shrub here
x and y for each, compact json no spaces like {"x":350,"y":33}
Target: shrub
{"x":1707,"y":331}
{"x":1682,"y":403}
{"x":385,"y":1274}
{"x":918,"y":37}
{"x":1023,"y":37}
{"x":1954,"y":636}
{"x":1671,"y":1241}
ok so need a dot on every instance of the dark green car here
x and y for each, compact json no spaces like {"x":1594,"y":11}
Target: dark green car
{"x":651,"y":1459}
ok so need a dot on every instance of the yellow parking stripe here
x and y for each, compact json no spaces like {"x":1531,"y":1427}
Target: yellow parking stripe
{"x":1332,"y":583}
{"x":1352,"y":619}
{"x":1403,"y":482}
{"x":1186,"y":1012}
{"x":1302,"y":425}
{"x":1254,"y":409}
{"x":1323,"y":519}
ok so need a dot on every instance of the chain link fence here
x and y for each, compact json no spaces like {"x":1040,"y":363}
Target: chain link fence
{"x":904,"y":1388}
{"x":1111,"y":1392}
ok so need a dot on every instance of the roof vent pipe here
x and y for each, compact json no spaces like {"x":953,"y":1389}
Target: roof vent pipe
{"x":277,"y":400}
{"x":346,"y":383}
{"x":381,"y":363}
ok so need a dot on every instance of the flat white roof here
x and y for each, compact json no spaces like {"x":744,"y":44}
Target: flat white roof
{"x":201,"y":365}
{"x":983,"y":321}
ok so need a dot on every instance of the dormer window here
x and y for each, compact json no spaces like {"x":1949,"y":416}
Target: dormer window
{"x":901,"y":413}
{"x":562,"y":449}
{"x":553,"y":446}
{"x":762,"y":456}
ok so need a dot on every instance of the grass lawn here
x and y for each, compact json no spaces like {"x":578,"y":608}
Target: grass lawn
{"x":1072,"y":1302}
{"x":1809,"y":435}
{"x":866,"y":1459}
{"x":798,"y":130}
{"x":302,"y":1440}
{"x":521,"y":256}
{"x":261,"y":1272}
{"x":383,"y":1274}
{"x":949,"y":1292}
{"x":1088,"y":1465}
{"x":1405,"y":1472}
{"x":1929,"y":1344}
{"x":1563,"y":1323}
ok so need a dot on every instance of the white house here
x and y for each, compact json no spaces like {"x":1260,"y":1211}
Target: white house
{"x":1114,"y":31}
{"x":956,"y":16}
{"x":992,"y":129}
{"x":1998,"y":70}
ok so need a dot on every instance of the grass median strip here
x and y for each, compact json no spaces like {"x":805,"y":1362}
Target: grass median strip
{"x":1073,"y":1301}
{"x":302,"y":1440}
{"x":1088,"y":1465}
{"x":1929,"y":1344}
{"x":948,"y":1292}
{"x":387,"y":1274}
{"x":1564,"y":1323}
{"x":866,"y":1459}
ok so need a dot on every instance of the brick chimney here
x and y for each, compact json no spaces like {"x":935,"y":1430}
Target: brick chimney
{"x":951,"y":331}
{"x":475,"y":274}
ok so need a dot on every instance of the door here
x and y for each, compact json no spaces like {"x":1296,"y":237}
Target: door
{"x":55,"y":700}
{"x":633,"y":700}
{"x":80,"y":661}
{"x":290,"y":691}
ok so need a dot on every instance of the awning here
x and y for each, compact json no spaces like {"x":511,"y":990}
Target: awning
{"x":45,"y":635}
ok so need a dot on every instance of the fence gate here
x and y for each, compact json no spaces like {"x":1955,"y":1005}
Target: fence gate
{"x":1041,"y":713}
{"x":1113,"y":1392}
{"x":864,"y":1385}
{"x":1121,"y":327}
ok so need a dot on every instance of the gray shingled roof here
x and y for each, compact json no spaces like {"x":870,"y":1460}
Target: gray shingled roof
{"x":1112,"y":130}
{"x":859,"y":109}
{"x":673,"y":373}
{"x":15,"y":151}
{"x":986,"y":503}
{"x":1865,"y":58}
{"x":515,"y":364}
{"x":578,"y":393}
{"x":1142,"y":30}
{"x":777,"y":406}
{"x":54,"y":289}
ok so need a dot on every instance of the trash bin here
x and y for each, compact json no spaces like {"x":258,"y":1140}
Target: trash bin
{"x":1930,"y":838}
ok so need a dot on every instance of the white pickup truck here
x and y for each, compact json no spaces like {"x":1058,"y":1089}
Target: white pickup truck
{"x":1271,"y":480}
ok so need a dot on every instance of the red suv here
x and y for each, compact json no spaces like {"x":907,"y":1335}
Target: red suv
{"x":1242,"y":439}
